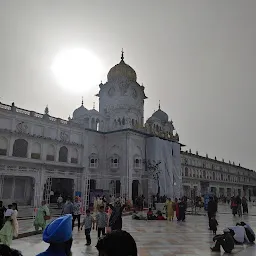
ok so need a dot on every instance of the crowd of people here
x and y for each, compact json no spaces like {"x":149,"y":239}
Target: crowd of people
{"x":106,"y":218}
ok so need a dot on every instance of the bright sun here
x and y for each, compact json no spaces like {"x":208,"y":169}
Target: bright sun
{"x":77,"y":70}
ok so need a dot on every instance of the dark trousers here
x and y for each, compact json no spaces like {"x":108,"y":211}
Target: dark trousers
{"x":221,"y":242}
{"x":182,"y":216}
{"x":74,"y":219}
{"x":1,"y":223}
{"x":87,"y":232}
{"x":101,"y":231}
{"x":210,"y":215}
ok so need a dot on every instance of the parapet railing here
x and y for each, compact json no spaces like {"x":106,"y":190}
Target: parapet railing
{"x":26,"y":112}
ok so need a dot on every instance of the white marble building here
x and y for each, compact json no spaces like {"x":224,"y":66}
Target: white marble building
{"x":105,"y":148}
{"x":203,"y":174}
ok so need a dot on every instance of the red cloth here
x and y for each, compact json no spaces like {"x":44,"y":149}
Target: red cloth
{"x":160,"y":218}
{"x":150,"y":213}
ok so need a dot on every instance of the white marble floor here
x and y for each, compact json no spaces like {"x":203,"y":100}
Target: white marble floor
{"x":156,"y":238}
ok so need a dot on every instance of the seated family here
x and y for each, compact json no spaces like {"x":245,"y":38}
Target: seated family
{"x":239,"y":234}
{"x":150,"y":215}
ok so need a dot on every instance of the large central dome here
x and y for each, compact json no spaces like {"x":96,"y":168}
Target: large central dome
{"x":122,"y":71}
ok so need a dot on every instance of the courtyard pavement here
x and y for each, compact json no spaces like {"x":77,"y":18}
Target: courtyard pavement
{"x":157,"y":238}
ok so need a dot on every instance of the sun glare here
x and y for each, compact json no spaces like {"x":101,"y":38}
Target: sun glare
{"x":77,"y":70}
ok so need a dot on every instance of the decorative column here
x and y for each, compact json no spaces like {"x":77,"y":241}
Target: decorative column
{"x":10,"y":146}
{"x":130,"y":166}
{"x":29,"y":149}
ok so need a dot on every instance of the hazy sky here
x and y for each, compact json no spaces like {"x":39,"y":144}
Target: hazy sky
{"x":197,"y":57}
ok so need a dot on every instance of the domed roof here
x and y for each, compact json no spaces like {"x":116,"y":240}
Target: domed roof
{"x":122,"y":70}
{"x":161,"y":115}
{"x":81,"y":111}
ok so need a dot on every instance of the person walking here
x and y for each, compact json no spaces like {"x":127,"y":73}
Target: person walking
{"x":101,"y":222}
{"x":244,"y":205}
{"x":67,"y":207}
{"x":43,"y":214}
{"x":211,"y":210}
{"x":76,"y":213}
{"x":10,"y":228}
{"x":182,"y":210}
{"x":239,"y":205}
{"x":88,"y":224}
{"x":115,"y":220}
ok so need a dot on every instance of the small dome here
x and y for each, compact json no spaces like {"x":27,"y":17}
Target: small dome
{"x":79,"y":112}
{"x":161,"y":115}
{"x":122,"y":70}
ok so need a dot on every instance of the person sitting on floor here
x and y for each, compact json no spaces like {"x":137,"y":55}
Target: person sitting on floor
{"x":240,"y":236}
{"x":160,"y":216}
{"x":248,"y":230}
{"x":225,"y":240}
{"x":150,"y":215}
{"x":137,"y":216}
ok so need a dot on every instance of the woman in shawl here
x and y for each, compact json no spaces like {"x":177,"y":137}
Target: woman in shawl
{"x":43,"y":214}
{"x":169,"y":210}
{"x":115,"y":220}
{"x":10,"y":228}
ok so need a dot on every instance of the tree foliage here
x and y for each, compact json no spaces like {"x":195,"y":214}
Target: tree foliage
{"x":153,"y":170}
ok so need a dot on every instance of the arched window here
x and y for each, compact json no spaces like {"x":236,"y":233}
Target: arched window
{"x":123,"y":121}
{"x":93,"y":161}
{"x":186,"y":171}
{"x":3,"y":146}
{"x":74,"y":156}
{"x":50,"y":153}
{"x":63,"y":154}
{"x":20,"y":148}
{"x":137,"y":162}
{"x":36,"y":151}
{"x":97,"y":124}
{"x":114,"y":162}
{"x":204,"y":174}
{"x":213,"y":176}
{"x":93,"y":124}
{"x":133,"y":123}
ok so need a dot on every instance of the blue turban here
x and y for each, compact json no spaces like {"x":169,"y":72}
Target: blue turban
{"x":59,"y":231}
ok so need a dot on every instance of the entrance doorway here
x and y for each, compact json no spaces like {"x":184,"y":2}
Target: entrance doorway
{"x":63,"y":187}
{"x":135,"y":189}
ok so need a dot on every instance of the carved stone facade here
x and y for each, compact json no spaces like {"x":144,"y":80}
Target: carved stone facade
{"x":204,"y":175}
{"x":39,"y":153}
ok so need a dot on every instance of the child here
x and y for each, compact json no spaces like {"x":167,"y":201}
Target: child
{"x":213,"y":225}
{"x":160,"y":216}
{"x":150,"y":215}
{"x":8,"y":213}
{"x":88,"y":224}
{"x":101,"y":221}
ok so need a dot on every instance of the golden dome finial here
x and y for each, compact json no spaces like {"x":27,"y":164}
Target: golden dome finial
{"x":122,"y":55}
